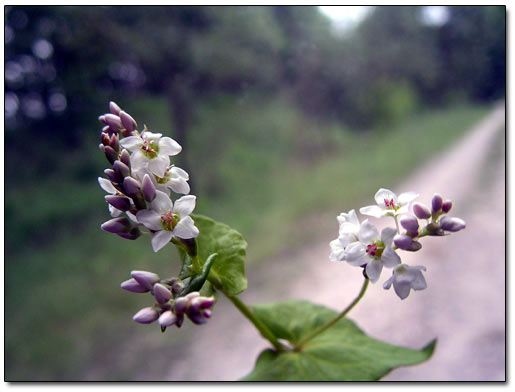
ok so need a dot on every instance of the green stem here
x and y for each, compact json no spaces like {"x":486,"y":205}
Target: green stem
{"x":261,"y":327}
{"x":344,"y":312}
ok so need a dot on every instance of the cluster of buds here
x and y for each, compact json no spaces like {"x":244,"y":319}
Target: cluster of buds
{"x":361,"y":244}
{"x":140,"y":181}
{"x":171,"y":305}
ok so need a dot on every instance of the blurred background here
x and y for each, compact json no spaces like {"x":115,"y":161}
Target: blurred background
{"x":287,"y":117}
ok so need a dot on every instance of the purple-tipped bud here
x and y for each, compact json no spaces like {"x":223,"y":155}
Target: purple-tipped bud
{"x":197,"y":317}
{"x":148,"y":188}
{"x":117,"y":201}
{"x":402,"y":241}
{"x":412,"y":234}
{"x":192,"y":295}
{"x":452,"y":224}
{"x":181,"y":305}
{"x":111,"y":154}
{"x":162,"y":293}
{"x":133,"y":286}
{"x":105,"y":138}
{"x":167,"y":318}
{"x":446,"y":206}
{"x":410,"y":223}
{"x":125,"y":158}
{"x":114,"y":108}
{"x":132,"y":234}
{"x":206,"y":313}
{"x":146,"y":316}
{"x":206,"y":302}
{"x":102,"y":119}
{"x":113,"y":121}
{"x":145,"y":278}
{"x":436,"y":203}
{"x":177,"y":287}
{"x":180,"y":320}
{"x":127,"y":121}
{"x":116,"y":226}
{"x":195,"y":304}
{"x":111,"y":175}
{"x":415,"y":245}
{"x":421,"y":211}
{"x":121,"y":169}
{"x":113,"y":143}
{"x":131,"y":186}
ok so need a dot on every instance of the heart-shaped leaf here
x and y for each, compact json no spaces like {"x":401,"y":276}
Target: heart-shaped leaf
{"x":341,"y":353}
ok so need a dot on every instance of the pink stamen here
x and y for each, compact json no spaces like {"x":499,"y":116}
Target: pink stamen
{"x":389,"y":203}
{"x":371,"y":249}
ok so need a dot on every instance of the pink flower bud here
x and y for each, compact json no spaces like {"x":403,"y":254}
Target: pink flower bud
{"x":114,"y":108}
{"x":167,"y":318}
{"x":110,"y":153}
{"x":102,"y":119}
{"x":122,"y":203}
{"x":148,"y":188}
{"x":410,"y":223}
{"x":113,"y":121}
{"x":125,"y":158}
{"x":116,"y":226}
{"x":133,"y":286}
{"x":421,"y":211}
{"x":145,"y":278}
{"x":146,"y":316}
{"x":181,"y":305}
{"x":206,"y":302}
{"x":121,"y":169}
{"x":436,"y":203}
{"x":127,"y":121}
{"x":131,"y":186}
{"x":402,"y":241}
{"x":162,"y":293}
{"x":452,"y":224}
{"x":446,"y":206}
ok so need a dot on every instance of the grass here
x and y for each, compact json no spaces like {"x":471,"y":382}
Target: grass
{"x":261,"y":168}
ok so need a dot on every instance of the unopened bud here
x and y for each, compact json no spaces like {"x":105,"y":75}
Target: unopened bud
{"x":121,"y":169}
{"x":206,"y":313}
{"x":167,"y":318}
{"x":436,"y":203}
{"x":133,"y":286}
{"x":113,"y":143}
{"x":146,"y":316}
{"x":421,"y":211}
{"x":446,"y":206}
{"x":111,"y":154}
{"x":415,"y":245}
{"x":410,"y":223}
{"x":177,"y":287}
{"x":120,"y":202}
{"x":180,"y":320}
{"x":148,"y":188}
{"x":192,"y":295}
{"x":452,"y":224}
{"x":131,"y":186}
{"x":162,"y":293}
{"x":195,"y":304}
{"x":113,"y":121}
{"x":116,"y":225}
{"x":206,"y":302}
{"x":127,"y":121}
{"x":125,"y":158}
{"x":197,"y":317}
{"x":114,"y":108}
{"x":111,"y":175}
{"x":145,"y":278}
{"x":402,"y":241}
{"x":132,"y":234}
{"x":181,"y":305}
{"x":102,"y":119}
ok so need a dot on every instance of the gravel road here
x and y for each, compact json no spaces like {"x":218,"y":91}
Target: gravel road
{"x":463,"y":306}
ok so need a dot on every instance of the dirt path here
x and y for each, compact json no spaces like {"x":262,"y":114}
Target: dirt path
{"x":463,"y":305}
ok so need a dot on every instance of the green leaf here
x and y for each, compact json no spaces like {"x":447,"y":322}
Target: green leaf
{"x":341,"y":353}
{"x":228,"y":271}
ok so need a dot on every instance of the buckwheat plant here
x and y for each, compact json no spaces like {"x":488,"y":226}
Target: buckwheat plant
{"x":148,"y":196}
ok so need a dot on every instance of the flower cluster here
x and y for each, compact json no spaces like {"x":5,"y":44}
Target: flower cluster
{"x":361,"y":244}
{"x":171,"y":305}
{"x":140,"y":181}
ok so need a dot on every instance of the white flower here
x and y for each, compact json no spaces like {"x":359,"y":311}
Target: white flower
{"x":388,"y":204}
{"x":372,"y":250}
{"x":150,"y":150}
{"x":168,"y":219}
{"x":174,"y":178}
{"x":348,"y":232}
{"x":405,"y":278}
{"x":108,"y":186}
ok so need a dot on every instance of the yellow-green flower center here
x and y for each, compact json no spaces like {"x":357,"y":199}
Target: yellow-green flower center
{"x":169,"y":220}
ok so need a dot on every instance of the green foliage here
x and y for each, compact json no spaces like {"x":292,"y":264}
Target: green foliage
{"x":341,"y":353}
{"x":228,"y":270}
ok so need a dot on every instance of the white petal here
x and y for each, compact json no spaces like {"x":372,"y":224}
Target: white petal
{"x":168,"y":146}
{"x":131,"y":143}
{"x":179,"y":185}
{"x":383,"y":194}
{"x":389,"y":258}
{"x":388,"y":283}
{"x":184,"y":206}
{"x":407,"y":197}
{"x":337,"y":250}
{"x":178,"y":172}
{"x":160,"y":239}
{"x":387,"y":235}
{"x":115,"y":212}
{"x":158,"y":165}
{"x":186,"y":228}
{"x":419,"y":282}
{"x":374,"y":211}
{"x":356,"y":255}
{"x":402,"y":210}
{"x":150,"y":219}
{"x":132,"y":217}
{"x":348,"y":238}
{"x":106,"y":185}
{"x":162,"y":203}
{"x":401,"y":288}
{"x":138,"y":160}
{"x":368,"y":232}
{"x":150,"y":136}
{"x":373,"y":270}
